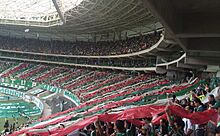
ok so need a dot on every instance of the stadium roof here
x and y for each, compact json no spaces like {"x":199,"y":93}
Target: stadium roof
{"x":81,"y":17}
{"x":18,"y":11}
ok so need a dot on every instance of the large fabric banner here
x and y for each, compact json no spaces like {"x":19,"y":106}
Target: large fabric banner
{"x":12,"y":92}
{"x":110,"y":105}
{"x":121,"y":102}
{"x":17,"y":83}
{"x":59,"y":90}
{"x":72,"y":97}
{"x":129,"y":114}
{"x":143,"y":112}
{"x":24,"y":96}
{"x":26,"y":85}
{"x":51,"y":88}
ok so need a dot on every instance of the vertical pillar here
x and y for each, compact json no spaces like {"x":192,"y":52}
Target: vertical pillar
{"x":93,"y":37}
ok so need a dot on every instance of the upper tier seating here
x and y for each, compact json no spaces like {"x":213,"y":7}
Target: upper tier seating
{"x":102,"y":48}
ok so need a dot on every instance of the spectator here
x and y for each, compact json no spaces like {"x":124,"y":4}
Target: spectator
{"x":199,"y":105}
{"x":217,"y":106}
{"x":120,"y":129}
{"x":148,"y":127}
{"x":163,"y":128}
{"x":218,"y":131}
{"x":188,"y":126}
{"x":110,"y":129}
{"x":211,"y":100}
{"x":93,"y":130}
{"x":177,"y":125}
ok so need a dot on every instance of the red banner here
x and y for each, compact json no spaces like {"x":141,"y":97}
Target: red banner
{"x":131,"y":115}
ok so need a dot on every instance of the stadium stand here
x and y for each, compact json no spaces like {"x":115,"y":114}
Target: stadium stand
{"x":86,"y":110}
{"x":98,"y":91}
{"x":109,"y":68}
{"x":101,"y":91}
{"x":102,"y":48}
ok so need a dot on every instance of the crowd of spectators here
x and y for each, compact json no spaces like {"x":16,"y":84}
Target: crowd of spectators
{"x":14,"y":125}
{"x":129,"y":45}
{"x":5,"y":65}
{"x":172,"y":126}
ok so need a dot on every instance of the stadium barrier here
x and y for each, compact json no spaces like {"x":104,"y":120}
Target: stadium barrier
{"x":17,"y":83}
{"x":52,"y":62}
{"x":50,"y":88}
{"x":25,"y":85}
{"x":66,"y":93}
{"x":25,"y":97}
{"x":12,"y":92}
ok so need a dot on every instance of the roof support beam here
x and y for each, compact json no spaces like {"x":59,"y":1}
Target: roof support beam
{"x":202,"y":60}
{"x":206,"y":44}
{"x":182,"y":65}
{"x":207,"y":25}
{"x":167,"y":15}
{"x":58,"y":8}
{"x":173,"y":67}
